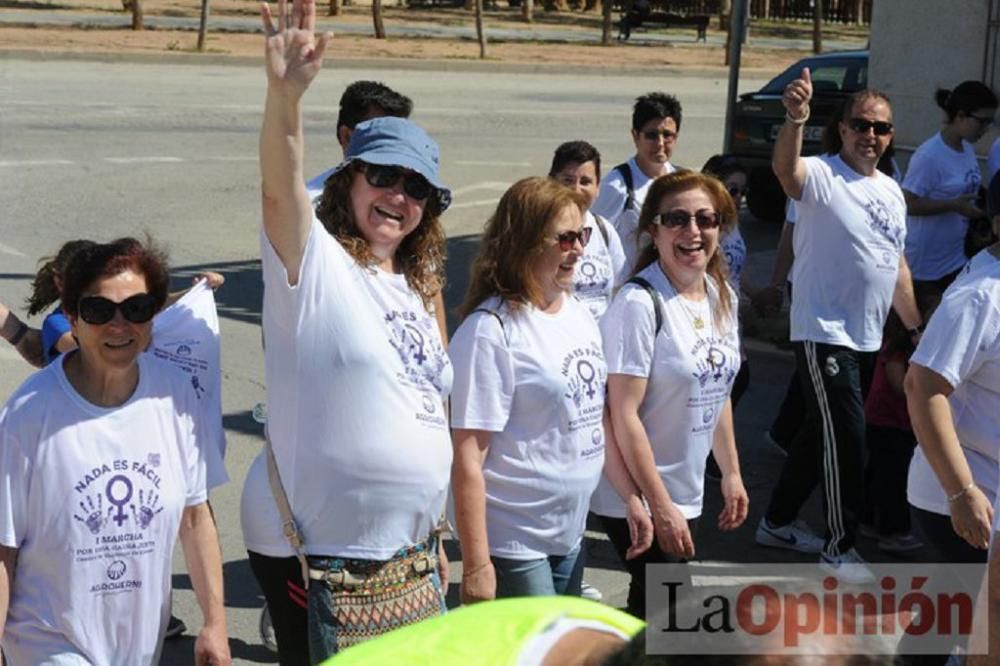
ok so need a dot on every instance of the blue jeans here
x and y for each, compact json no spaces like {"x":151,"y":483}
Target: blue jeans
{"x":547,"y":576}
{"x":323,"y":620}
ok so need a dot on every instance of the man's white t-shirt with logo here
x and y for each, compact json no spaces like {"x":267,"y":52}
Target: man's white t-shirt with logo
{"x":611,"y":201}
{"x":690,"y":373}
{"x":537,"y":383}
{"x":187,"y":335}
{"x":962,"y":344}
{"x":935,"y":244}
{"x":92,"y":498}
{"x":356,"y":382}
{"x":848,"y":242}
{"x":601,"y":269}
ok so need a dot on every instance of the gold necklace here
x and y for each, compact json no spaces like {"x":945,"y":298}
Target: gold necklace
{"x":696,"y":319}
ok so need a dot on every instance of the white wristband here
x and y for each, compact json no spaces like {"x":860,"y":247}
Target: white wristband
{"x":797,"y":121}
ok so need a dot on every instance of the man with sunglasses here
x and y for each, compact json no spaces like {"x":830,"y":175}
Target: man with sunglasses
{"x":656,"y":122}
{"x":849,"y":268}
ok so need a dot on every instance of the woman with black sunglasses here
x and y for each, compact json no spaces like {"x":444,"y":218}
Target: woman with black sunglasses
{"x":528,"y":407}
{"x":89,"y":511}
{"x":942,"y":186}
{"x":356,"y":371}
{"x":671,"y":341}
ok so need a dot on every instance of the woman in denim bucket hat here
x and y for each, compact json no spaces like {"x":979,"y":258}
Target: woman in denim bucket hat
{"x":356,"y":372}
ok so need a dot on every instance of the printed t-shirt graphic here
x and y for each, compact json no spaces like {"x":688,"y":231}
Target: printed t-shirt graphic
{"x":690,"y":372}
{"x":537,"y":383}
{"x":356,"y":382}
{"x":848,"y":242}
{"x":92,"y":498}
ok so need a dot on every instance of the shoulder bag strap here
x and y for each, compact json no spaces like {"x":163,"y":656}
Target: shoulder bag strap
{"x":289,"y":527}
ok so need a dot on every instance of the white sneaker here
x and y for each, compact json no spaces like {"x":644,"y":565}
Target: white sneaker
{"x":588,"y":591}
{"x":795,"y":536}
{"x":267,"y":636}
{"x":848,"y":567}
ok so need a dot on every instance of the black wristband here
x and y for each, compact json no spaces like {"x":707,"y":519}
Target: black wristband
{"x":21,"y":332}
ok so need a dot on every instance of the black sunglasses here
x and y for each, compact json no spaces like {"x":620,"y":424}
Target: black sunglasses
{"x":735,"y":191}
{"x":97,"y":310}
{"x":861,"y":126}
{"x":653,"y":135}
{"x":568,"y":239}
{"x":383,"y":176}
{"x":676,"y":219}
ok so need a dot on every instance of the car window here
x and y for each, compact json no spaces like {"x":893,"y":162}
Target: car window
{"x":829,"y":76}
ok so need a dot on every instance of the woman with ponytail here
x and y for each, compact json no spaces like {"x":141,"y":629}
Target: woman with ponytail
{"x":671,"y":343}
{"x":942,"y":185}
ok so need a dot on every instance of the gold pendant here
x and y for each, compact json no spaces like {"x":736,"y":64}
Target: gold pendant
{"x":699,"y":323}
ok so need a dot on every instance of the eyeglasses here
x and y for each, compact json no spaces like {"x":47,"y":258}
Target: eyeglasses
{"x":861,"y":126}
{"x":653,"y":135}
{"x":676,"y":219}
{"x":384,"y":176}
{"x":983,"y":122}
{"x":735,"y":191}
{"x":567,"y":239}
{"x":97,"y":310}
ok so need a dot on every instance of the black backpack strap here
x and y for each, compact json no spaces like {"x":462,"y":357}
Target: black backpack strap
{"x":626,"y":173}
{"x":657,"y":307}
{"x":496,"y":315}
{"x":602,"y":226}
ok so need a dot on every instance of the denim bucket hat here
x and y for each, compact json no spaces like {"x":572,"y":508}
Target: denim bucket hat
{"x":391,"y":141}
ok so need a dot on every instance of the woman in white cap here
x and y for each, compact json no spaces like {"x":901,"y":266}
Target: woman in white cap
{"x":356,"y":372}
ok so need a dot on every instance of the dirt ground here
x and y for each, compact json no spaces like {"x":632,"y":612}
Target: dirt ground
{"x":349,"y":47}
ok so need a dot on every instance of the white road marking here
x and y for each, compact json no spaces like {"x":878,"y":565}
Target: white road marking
{"x":491,"y":163}
{"x":6,"y":249}
{"x":20,"y":163}
{"x":152,"y":159}
{"x":235,"y":158}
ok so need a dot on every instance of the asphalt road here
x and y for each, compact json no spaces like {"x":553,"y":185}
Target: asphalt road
{"x":103,"y":150}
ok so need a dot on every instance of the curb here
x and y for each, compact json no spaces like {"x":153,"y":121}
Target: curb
{"x":424,"y":65}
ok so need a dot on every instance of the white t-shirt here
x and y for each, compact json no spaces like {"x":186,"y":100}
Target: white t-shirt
{"x":187,"y":335}
{"x":611,"y":205}
{"x":734,"y":249}
{"x":982,"y":259}
{"x":690,"y":374}
{"x":962,"y":344}
{"x":92,"y":499}
{"x":848,"y":243}
{"x":601,"y":269}
{"x":537,"y":384}
{"x":356,"y":379}
{"x":935,"y":244}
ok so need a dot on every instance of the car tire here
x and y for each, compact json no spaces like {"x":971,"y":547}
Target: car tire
{"x":766,"y":200}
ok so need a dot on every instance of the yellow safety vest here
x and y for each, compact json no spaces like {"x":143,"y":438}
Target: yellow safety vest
{"x":487,"y":634}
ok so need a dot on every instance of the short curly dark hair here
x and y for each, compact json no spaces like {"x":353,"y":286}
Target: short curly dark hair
{"x":102,"y":260}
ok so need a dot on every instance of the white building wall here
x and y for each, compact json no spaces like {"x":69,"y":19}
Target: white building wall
{"x":918,"y":46}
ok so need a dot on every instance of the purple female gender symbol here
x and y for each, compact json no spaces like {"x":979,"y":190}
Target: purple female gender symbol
{"x":121,"y":516}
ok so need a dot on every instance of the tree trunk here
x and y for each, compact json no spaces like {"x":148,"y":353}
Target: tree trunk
{"x":817,"y":26}
{"x":725,"y":9}
{"x":377,"y":19}
{"x":137,"y":23}
{"x":590,"y":5}
{"x":859,"y":12}
{"x":203,"y":25}
{"x":606,"y":25}
{"x":528,"y":10}
{"x":480,"y":32}
{"x":336,"y":8}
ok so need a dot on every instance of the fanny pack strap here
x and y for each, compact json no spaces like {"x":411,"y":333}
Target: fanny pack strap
{"x":422,"y":563}
{"x":289,"y":527}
